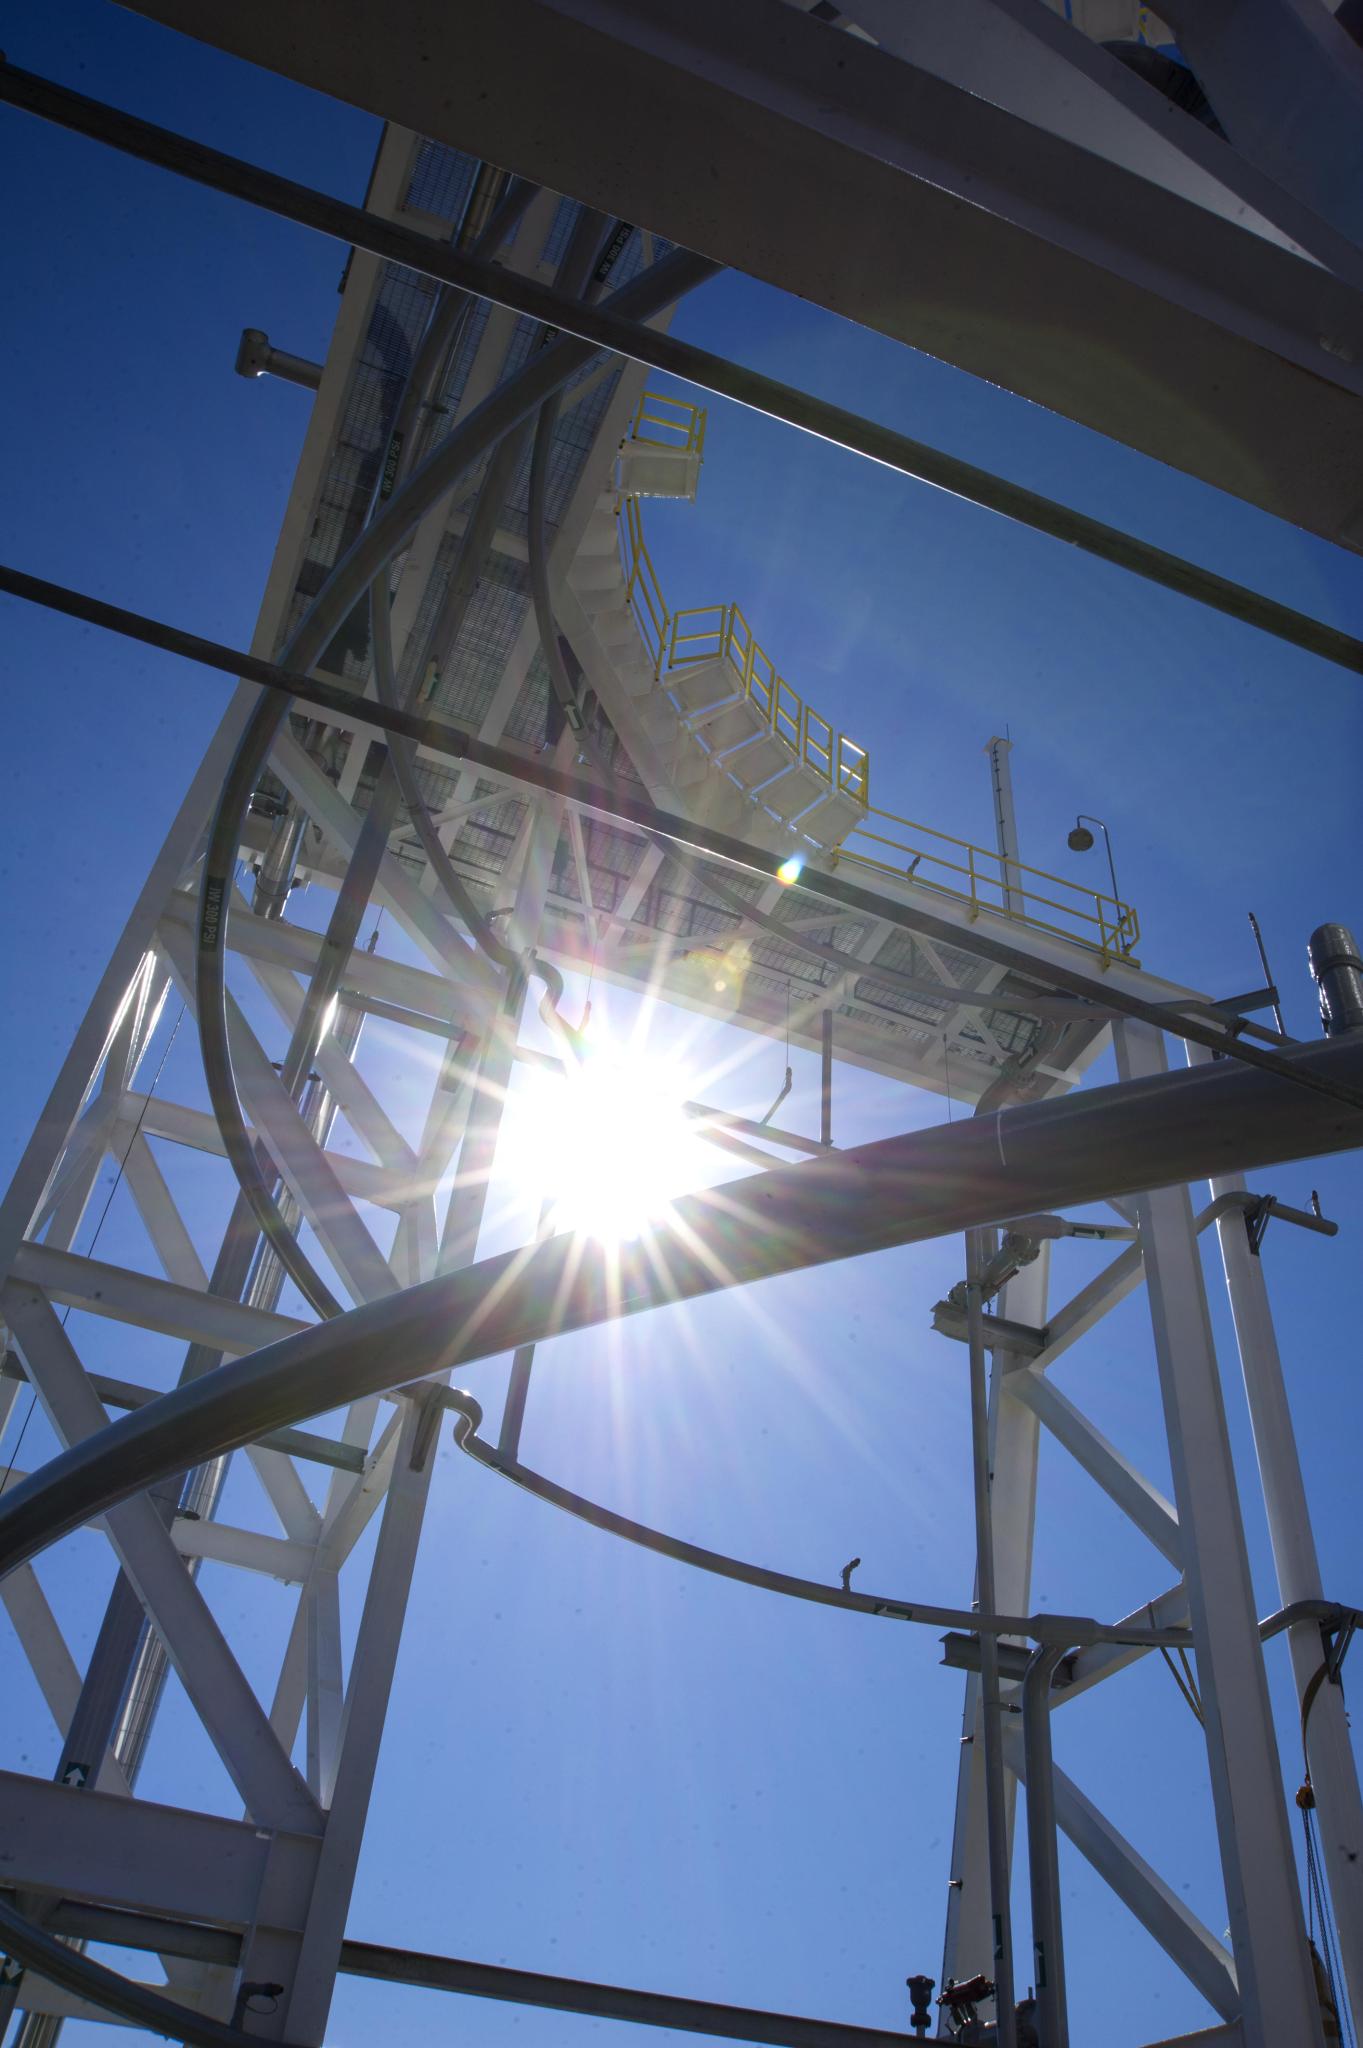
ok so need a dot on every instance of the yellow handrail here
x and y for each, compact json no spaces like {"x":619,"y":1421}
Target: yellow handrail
{"x":677,"y":423}
{"x":643,"y":592}
{"x":932,"y":859}
{"x":987,"y":882}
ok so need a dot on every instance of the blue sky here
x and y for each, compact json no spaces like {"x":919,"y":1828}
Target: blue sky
{"x":601,"y":1764}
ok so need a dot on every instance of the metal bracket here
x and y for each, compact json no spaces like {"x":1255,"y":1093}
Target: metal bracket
{"x":432,"y":1398}
{"x":999,"y":1333}
{"x":426,"y":1397}
{"x":962,"y":1653}
{"x":1337,"y":1641}
{"x":1257,"y":1218}
{"x":1260,"y":1209}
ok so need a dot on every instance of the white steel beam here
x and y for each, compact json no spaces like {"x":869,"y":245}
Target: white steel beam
{"x":303,"y":2016}
{"x":161,"y":1118}
{"x":150,"y":1858}
{"x":1140,"y":1501}
{"x":1028,"y":60}
{"x":1100,"y":1660}
{"x":969,"y":1936}
{"x":1286,"y":79}
{"x":151,"y":1304}
{"x":277,"y":943}
{"x":43,"y":1644}
{"x":396,"y":889}
{"x":95,"y":1032}
{"x":274,"y":1794}
{"x":1264,"y":1904}
{"x":275,"y":1557}
{"x":166,"y":1227}
{"x":301,"y":1161}
{"x":1182,"y":1936}
{"x":347,"y":1087}
{"x":1329,"y":1745}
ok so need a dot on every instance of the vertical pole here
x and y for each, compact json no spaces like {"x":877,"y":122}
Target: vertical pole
{"x":1263,"y":1900}
{"x":518,"y":1382}
{"x":1043,"y":1848}
{"x":304,"y":2016}
{"x":826,"y":1080}
{"x":996,"y":1818}
{"x":1005,"y":824}
{"x":1014,"y":1441}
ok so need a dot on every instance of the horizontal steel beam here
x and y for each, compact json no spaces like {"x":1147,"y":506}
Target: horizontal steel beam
{"x":607,"y":2001}
{"x":148,"y":1858}
{"x":179,"y":1937}
{"x":1187,"y":1125}
{"x":801,"y":409}
{"x":104,"y":1290}
{"x":833,"y":170}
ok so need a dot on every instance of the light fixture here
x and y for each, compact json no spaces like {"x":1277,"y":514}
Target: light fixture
{"x":1080,"y":840}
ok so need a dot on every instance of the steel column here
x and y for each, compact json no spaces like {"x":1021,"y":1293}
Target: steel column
{"x":1014,"y":1443}
{"x":1334,"y":1772}
{"x":1263,"y":1901}
{"x":990,"y":1725}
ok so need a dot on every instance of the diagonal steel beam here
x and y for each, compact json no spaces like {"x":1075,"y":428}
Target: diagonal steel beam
{"x":274,"y":1794}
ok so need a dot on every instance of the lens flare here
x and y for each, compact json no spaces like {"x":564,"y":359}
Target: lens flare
{"x":607,"y":1143}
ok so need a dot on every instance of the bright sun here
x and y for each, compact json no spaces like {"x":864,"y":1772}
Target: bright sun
{"x":607,"y":1143}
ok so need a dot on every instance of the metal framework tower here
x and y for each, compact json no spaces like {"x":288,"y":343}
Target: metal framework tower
{"x":471,"y":703}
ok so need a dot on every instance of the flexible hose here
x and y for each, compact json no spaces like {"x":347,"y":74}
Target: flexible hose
{"x":468,"y":442}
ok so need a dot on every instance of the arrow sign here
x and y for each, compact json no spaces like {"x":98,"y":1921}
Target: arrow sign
{"x":11,"y":1973}
{"x":76,"y":1774}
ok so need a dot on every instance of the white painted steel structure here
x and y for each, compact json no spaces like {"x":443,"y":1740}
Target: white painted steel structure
{"x":905,"y":971}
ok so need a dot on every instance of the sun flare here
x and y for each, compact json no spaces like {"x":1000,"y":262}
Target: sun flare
{"x":607,"y":1143}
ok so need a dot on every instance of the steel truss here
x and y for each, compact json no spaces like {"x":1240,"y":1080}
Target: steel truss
{"x":613,"y":866}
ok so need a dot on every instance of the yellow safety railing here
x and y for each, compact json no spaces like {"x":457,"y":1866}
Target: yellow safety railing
{"x":643,"y":592}
{"x":674,"y":423}
{"x":721,"y":632}
{"x":878,"y":841}
{"x":854,"y":769}
{"x":985,"y":880}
